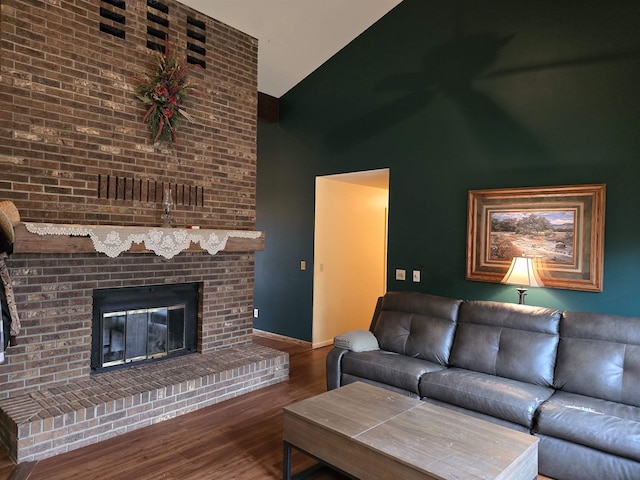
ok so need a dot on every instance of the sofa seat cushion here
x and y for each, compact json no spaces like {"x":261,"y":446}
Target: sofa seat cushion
{"x":503,"y":398}
{"x":478,"y":415}
{"x":347,"y":379}
{"x":389,"y":368}
{"x":585,"y":463}
{"x":601,"y":424}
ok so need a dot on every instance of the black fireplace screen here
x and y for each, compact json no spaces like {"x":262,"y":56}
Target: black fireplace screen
{"x":143,"y":323}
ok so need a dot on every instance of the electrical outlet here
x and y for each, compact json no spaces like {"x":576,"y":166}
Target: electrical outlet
{"x":255,"y":313}
{"x":400,"y":274}
{"x":416,"y":275}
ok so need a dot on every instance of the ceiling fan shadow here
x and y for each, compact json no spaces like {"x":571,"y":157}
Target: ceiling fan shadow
{"x":364,"y":127}
{"x":447,"y":68}
{"x":496,"y":132}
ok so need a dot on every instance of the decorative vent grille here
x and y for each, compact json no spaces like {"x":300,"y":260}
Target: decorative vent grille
{"x":150,"y":191}
{"x":113,"y":21}
{"x":113,"y":18}
{"x":196,"y":34}
{"x":157,"y":25}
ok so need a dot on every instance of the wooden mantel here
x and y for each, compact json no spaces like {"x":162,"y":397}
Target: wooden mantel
{"x":26,"y":242}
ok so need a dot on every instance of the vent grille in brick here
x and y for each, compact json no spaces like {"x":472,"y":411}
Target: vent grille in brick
{"x":111,"y":187}
{"x":196,"y":43}
{"x":112,"y":17}
{"x":157,"y":25}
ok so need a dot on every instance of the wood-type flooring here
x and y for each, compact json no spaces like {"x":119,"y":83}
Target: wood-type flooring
{"x":238,"y":439}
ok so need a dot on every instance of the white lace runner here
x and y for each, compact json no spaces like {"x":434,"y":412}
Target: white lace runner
{"x":112,"y":240}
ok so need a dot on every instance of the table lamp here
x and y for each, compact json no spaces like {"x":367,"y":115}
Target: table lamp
{"x":523,"y":273}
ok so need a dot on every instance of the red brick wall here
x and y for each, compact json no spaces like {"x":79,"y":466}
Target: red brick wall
{"x":70,"y":114}
{"x":70,"y":118}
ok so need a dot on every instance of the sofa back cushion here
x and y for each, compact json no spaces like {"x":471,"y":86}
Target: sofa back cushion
{"x":512,"y":341}
{"x":417,"y":324}
{"x":599,"y":356}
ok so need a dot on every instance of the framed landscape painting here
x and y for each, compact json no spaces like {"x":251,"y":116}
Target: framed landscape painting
{"x":562,"y":228}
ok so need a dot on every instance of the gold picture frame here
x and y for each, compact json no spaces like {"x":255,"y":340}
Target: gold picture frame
{"x":561,"y":227}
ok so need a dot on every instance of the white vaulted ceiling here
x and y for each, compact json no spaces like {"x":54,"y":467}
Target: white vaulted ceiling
{"x":294,"y":36}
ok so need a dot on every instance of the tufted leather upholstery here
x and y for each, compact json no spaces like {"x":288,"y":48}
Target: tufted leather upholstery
{"x":503,"y":357}
{"x":597,"y":378}
{"x":417,"y":325}
{"x":571,"y":379}
{"x":415,"y":334}
{"x":508,"y":340}
{"x":599,"y":356}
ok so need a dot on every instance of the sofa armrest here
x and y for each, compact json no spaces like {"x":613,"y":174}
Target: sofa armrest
{"x":334,"y":367}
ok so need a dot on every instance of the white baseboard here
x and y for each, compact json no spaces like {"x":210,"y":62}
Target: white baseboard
{"x":276,"y":336}
{"x":322,"y":344}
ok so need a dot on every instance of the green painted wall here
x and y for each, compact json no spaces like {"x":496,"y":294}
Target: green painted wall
{"x":453,"y":96}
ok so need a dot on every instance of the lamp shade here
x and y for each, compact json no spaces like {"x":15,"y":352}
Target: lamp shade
{"x":522,"y":272}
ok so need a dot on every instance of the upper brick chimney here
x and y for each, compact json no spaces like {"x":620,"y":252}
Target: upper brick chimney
{"x":71,"y":120}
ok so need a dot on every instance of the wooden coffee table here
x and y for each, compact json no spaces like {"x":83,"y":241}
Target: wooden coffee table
{"x":371,"y":433}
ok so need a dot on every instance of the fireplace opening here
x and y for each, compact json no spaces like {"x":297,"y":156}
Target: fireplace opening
{"x":141,"y":324}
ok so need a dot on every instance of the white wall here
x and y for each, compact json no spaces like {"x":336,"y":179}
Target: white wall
{"x":349,"y":256}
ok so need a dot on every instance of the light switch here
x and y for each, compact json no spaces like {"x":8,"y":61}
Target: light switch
{"x":303,"y":265}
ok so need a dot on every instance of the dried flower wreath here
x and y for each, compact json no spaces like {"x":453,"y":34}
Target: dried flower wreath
{"x":163,"y":92}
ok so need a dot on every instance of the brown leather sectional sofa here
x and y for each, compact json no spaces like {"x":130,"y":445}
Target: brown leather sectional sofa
{"x":572,"y":379}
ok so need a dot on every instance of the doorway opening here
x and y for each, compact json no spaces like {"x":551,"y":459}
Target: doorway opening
{"x":350,"y":251}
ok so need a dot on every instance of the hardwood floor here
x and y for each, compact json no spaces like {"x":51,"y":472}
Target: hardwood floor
{"x":237,"y":439}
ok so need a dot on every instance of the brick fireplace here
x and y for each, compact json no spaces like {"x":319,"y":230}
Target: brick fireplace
{"x":74,"y":150}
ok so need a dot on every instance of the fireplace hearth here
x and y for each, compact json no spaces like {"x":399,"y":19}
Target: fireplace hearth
{"x":68,"y":416}
{"x":142,"y":324}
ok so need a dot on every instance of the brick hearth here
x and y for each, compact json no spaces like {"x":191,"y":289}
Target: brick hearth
{"x":71,"y":415}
